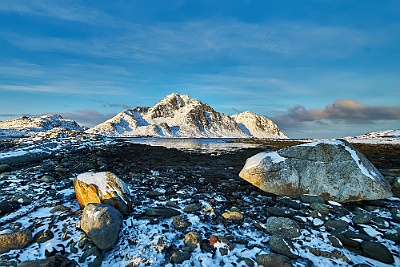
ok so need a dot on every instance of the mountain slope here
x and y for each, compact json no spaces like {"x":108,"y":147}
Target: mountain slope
{"x":257,"y":126}
{"x":178,"y":116}
{"x":35,"y":125}
{"x":383,"y":137}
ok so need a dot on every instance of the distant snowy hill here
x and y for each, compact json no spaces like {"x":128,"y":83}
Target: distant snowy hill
{"x":181,"y":116}
{"x":387,"y":136}
{"x":31,"y":126}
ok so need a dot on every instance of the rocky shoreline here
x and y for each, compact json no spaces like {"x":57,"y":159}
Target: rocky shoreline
{"x":191,"y":209}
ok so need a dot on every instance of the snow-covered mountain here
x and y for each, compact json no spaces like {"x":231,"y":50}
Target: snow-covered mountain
{"x":181,"y":116}
{"x":257,"y":126}
{"x":386,"y":136}
{"x":30,"y":126}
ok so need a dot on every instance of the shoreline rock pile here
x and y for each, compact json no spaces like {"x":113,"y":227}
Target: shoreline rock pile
{"x":188,"y":214}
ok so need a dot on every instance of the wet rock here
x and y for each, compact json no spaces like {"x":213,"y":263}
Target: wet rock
{"x":321,"y":208}
{"x":22,"y":199}
{"x":273,"y":260}
{"x":53,"y":261}
{"x":334,"y":224}
{"x":307,"y":198}
{"x":15,"y":240}
{"x":283,"y":226}
{"x":345,"y":240}
{"x":60,"y":208}
{"x":335,"y":254}
{"x":92,"y":257}
{"x":362,"y":218}
{"x":154,"y":194}
{"x":192,"y":207}
{"x":162,"y":245}
{"x":43,"y":236}
{"x":377,"y":251}
{"x":335,"y":241}
{"x":8,"y":206}
{"x":5,"y":168}
{"x":47,"y":179}
{"x":333,"y":169}
{"x":179,"y":257}
{"x":101,"y":223}
{"x":192,"y":239}
{"x":283,"y":245}
{"x":161,"y":212}
{"x":102,"y":187}
{"x":179,"y":223}
{"x":393,"y":234}
{"x":281,"y":212}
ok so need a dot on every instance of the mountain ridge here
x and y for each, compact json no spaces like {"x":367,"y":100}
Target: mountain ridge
{"x":31,"y":126}
{"x":182,"y":116}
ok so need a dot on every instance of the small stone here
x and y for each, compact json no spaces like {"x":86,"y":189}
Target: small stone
{"x":377,"y":251}
{"x":47,"y":179}
{"x":280,"y":212}
{"x":5,"y":168}
{"x":380,"y":223}
{"x":321,"y":208}
{"x":192,"y":207}
{"x":43,"y":236}
{"x":8,"y":206}
{"x":284,"y":226}
{"x":179,"y":257}
{"x":154,"y":194}
{"x":333,"y":224}
{"x":233,"y":216}
{"x":180,"y":223}
{"x":92,"y":257}
{"x":192,"y":239}
{"x":362,"y":218}
{"x":60,"y":208}
{"x":57,"y":260}
{"x":335,"y":241}
{"x":306,"y":198}
{"x":224,"y":251}
{"x":393,"y":234}
{"x":161,"y":212}
{"x":283,"y":246}
{"x":273,"y":260}
{"x":22,"y":199}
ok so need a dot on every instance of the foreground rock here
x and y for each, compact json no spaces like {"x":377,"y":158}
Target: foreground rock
{"x":16,"y":240}
{"x":101,"y":223}
{"x":332,"y":169}
{"x":53,"y":261}
{"x":102,"y":187}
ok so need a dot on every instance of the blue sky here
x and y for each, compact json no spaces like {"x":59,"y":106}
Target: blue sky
{"x":317,"y":68}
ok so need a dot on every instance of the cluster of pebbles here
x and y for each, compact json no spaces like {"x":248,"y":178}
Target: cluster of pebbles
{"x":189,"y":209}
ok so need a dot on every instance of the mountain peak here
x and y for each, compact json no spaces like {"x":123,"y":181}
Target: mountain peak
{"x":178,"y":115}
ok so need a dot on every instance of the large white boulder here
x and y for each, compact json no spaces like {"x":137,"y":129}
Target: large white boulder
{"x":332,"y":169}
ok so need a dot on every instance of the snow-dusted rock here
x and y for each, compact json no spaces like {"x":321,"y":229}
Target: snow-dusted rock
{"x":257,"y":126}
{"x":181,"y":116}
{"x":102,"y":187}
{"x":101,"y":223}
{"x":332,"y":169}
{"x":32,"y":126}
